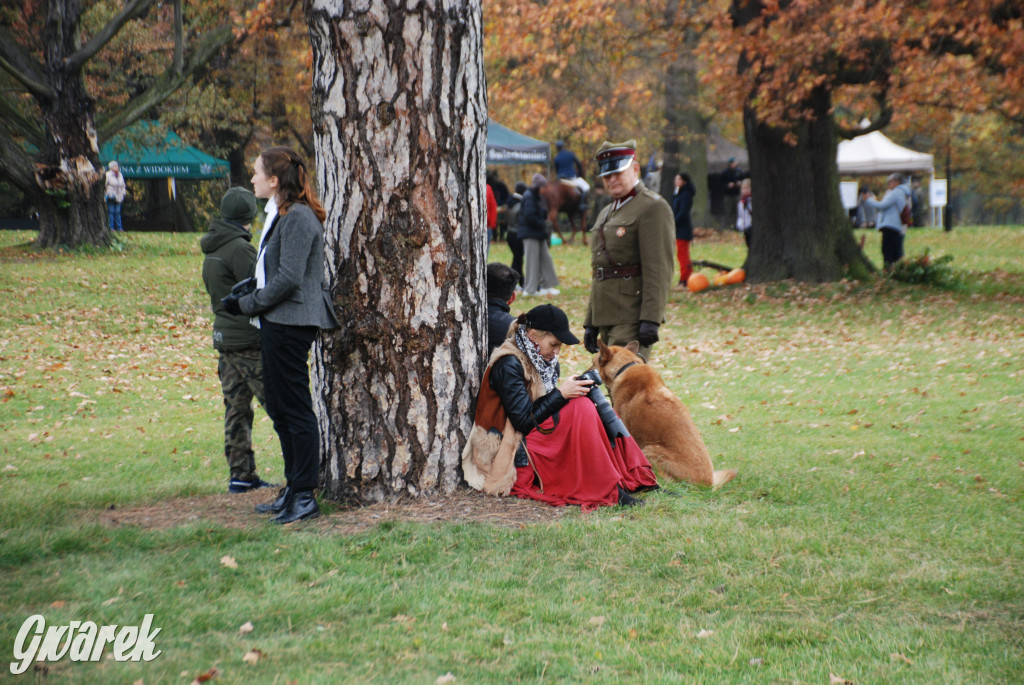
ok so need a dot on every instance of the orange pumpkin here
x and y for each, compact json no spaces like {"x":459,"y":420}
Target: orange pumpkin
{"x":697,"y":282}
{"x":736,"y":276}
{"x":720,"y":278}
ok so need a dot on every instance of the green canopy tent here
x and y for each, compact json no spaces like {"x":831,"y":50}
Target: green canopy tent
{"x":505,"y":146}
{"x":160,"y":161}
{"x":171,"y":159}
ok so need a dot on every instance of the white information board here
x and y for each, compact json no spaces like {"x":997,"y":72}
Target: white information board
{"x":937,"y":192}
{"x":848,"y":192}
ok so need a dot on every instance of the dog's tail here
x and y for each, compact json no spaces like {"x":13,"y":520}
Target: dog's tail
{"x":722,"y":477}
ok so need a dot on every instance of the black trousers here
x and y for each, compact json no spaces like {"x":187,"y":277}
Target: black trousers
{"x":892,"y":246}
{"x":289,"y":403}
{"x":516,"y":245}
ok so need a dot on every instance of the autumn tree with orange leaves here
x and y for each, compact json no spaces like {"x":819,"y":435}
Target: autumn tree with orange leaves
{"x":590,"y":70}
{"x":579,"y":70}
{"x":254,"y":94}
{"x":806,"y":71}
{"x":51,"y":127}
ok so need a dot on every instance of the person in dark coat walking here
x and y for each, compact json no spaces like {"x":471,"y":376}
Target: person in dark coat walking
{"x":515,"y":243}
{"x":682,"y":204}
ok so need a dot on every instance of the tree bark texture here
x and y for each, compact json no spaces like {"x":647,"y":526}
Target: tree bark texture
{"x":399,"y":116}
{"x":69,"y":192}
{"x":800,"y":230}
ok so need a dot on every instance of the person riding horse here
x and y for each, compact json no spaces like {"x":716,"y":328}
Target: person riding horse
{"x":570,"y":194}
{"x":569,"y":168}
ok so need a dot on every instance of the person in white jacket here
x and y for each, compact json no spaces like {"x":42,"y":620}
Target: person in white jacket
{"x":114,"y":191}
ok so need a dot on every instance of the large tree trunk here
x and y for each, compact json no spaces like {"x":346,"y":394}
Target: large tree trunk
{"x":685,"y":135}
{"x":399,"y":113}
{"x":70,"y":179}
{"x":799,"y":230}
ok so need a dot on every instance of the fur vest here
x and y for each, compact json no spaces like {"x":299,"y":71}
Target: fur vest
{"x":488,"y":460}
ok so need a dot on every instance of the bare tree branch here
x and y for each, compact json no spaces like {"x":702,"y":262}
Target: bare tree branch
{"x":179,"y":39}
{"x":23,"y":68}
{"x":885,"y":113}
{"x":132,"y":10}
{"x":18,"y":124}
{"x":18,"y":166}
{"x":165,"y":85}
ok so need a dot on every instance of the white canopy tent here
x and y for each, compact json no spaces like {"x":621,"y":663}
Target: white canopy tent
{"x":874,"y":153}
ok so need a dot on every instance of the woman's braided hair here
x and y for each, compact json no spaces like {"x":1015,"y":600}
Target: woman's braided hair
{"x":292,"y":180}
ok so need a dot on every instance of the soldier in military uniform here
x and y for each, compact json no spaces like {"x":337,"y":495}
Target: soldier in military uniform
{"x":631,"y":256}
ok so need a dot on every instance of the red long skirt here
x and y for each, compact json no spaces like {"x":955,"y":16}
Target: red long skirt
{"x":576,"y":463}
{"x":685,"y":265}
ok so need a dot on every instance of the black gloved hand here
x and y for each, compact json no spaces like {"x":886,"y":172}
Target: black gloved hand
{"x":590,"y":339}
{"x":231,"y":304}
{"x":647,"y":335}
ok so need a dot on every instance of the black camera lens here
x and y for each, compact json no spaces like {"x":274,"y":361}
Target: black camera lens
{"x":613,"y":425}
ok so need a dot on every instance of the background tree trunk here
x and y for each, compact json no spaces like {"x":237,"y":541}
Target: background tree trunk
{"x":685,"y":137}
{"x":70,"y":179}
{"x":800,"y":230}
{"x":399,"y":115}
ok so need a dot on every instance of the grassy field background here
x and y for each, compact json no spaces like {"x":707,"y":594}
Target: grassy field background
{"x":875,"y":533}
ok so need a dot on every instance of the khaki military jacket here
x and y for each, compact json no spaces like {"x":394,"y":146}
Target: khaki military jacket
{"x":641,"y":232}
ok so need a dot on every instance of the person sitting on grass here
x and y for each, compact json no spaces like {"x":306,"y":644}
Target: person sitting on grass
{"x":537,"y":438}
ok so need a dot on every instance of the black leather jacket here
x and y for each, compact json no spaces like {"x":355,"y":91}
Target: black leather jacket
{"x":508,"y":380}
{"x":498,"y":321}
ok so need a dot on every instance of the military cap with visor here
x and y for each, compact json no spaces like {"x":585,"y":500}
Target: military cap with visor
{"x":615,"y":157}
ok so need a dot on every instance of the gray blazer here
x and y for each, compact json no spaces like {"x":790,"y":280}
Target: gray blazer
{"x":296,"y":293}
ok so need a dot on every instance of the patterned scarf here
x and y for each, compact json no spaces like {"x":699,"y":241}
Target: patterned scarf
{"x":548,"y":370}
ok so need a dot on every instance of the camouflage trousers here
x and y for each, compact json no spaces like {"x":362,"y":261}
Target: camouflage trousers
{"x":241,"y":378}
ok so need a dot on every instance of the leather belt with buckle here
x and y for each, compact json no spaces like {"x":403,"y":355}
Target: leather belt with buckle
{"x":603,"y":272}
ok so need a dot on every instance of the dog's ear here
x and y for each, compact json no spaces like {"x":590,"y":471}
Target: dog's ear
{"x":634,"y":347}
{"x":604,"y":353}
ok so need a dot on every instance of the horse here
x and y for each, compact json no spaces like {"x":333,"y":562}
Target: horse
{"x":564,"y":197}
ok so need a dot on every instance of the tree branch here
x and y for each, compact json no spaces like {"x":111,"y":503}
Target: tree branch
{"x":133,"y":9}
{"x":179,"y":39}
{"x":165,"y":85}
{"x":885,"y":113}
{"x":23,"y":68}
{"x":18,"y":167}
{"x":18,"y":124}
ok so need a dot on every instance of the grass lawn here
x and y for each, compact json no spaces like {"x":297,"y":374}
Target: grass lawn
{"x":874,"y":534}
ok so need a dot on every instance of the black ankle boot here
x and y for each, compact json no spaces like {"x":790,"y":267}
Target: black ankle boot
{"x":277,"y":506}
{"x":301,"y":505}
{"x":627,"y":500}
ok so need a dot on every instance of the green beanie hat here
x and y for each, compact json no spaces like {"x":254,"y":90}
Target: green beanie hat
{"x":238,"y":204}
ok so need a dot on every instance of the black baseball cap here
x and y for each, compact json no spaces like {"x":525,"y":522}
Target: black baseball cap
{"x":548,"y":317}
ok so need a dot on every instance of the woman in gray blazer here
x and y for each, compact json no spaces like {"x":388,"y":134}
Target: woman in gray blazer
{"x":292,"y":304}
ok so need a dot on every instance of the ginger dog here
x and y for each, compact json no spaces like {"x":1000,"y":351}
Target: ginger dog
{"x":657,"y":419}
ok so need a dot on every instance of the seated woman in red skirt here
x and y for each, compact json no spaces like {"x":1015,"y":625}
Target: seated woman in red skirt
{"x":536,"y":438}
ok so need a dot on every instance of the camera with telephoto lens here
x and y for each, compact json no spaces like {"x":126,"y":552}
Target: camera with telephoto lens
{"x":613,"y":425}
